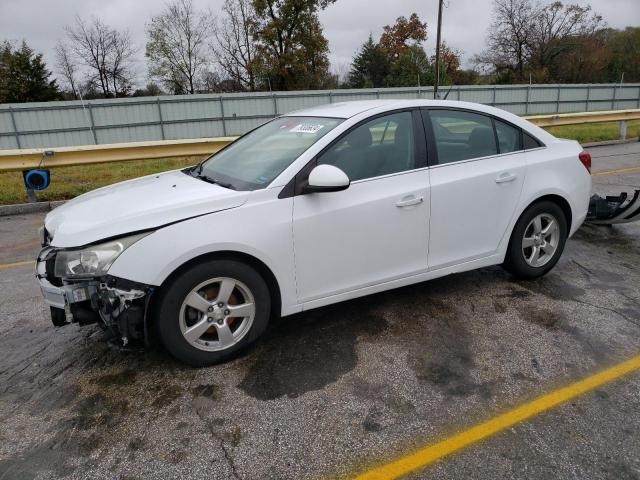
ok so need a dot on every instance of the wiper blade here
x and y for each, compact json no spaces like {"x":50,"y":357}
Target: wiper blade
{"x":209,"y":179}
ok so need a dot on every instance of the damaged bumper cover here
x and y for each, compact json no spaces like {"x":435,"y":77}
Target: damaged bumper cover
{"x":614,"y":209}
{"x":118,"y":305}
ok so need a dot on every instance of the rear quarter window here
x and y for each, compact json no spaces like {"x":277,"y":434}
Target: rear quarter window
{"x":529,"y":142}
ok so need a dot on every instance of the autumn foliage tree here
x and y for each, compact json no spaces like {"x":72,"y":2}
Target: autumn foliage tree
{"x":399,"y":58}
{"x":292,"y":51}
{"x":398,"y":37}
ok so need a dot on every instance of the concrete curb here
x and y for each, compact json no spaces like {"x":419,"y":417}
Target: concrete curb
{"x":24,"y":208}
{"x":610,"y":142}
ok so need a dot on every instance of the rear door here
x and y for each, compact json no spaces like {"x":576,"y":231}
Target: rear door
{"x":475,"y":184}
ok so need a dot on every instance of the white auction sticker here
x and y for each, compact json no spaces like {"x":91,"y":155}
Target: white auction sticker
{"x":306,"y":128}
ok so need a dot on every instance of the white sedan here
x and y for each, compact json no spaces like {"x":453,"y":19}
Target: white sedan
{"x":312,"y":208}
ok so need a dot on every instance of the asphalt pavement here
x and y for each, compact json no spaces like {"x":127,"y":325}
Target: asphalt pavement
{"x":331,"y":392}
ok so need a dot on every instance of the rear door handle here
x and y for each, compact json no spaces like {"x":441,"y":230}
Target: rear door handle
{"x":506,"y":177}
{"x":408,"y":201}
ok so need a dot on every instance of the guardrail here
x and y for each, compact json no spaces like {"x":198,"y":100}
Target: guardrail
{"x":26,"y":158}
{"x":198,"y":148}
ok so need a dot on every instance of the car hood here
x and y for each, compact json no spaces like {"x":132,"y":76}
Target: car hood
{"x":140,"y":204}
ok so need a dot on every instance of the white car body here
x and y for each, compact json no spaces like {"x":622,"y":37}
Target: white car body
{"x":322,"y":248}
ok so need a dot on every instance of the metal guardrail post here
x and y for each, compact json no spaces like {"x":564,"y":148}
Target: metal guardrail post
{"x":15,"y":128}
{"x":493,"y":98}
{"x":275,"y":105}
{"x":330,"y":97}
{"x":378,"y":94}
{"x":588,"y":97}
{"x":160,"y":118}
{"x":622,"y":129}
{"x":526,"y":102}
{"x":613,"y":100}
{"x":92,"y":125}
{"x":224,"y":123}
{"x":558,"y":100}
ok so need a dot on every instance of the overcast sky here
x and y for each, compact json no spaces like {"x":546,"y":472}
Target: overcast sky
{"x":347,"y":23}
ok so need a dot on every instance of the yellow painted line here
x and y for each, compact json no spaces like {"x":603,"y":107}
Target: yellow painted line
{"x":16,"y":264}
{"x":429,"y":454}
{"x":613,"y":172}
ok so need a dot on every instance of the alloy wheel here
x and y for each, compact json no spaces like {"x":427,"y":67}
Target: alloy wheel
{"x":540,"y":240}
{"x":217,"y":314}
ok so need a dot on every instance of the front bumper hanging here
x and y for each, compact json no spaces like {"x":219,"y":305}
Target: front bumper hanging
{"x":118,"y":305}
{"x":614,"y":209}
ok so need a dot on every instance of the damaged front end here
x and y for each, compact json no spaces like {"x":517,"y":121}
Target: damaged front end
{"x":614,"y":209}
{"x":76,"y":286}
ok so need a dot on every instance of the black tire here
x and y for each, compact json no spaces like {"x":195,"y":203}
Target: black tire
{"x":515,"y":261}
{"x":167,"y":311}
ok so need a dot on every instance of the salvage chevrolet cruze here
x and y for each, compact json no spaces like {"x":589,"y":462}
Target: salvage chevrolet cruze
{"x":312,"y":208}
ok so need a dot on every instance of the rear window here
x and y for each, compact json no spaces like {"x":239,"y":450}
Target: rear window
{"x":462,"y":135}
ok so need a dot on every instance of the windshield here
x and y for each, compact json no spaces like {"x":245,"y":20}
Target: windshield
{"x":254,"y":160}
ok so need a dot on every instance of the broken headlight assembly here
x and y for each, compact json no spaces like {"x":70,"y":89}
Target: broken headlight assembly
{"x":92,"y":261}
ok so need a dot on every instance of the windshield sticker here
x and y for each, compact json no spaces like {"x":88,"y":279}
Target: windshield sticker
{"x":306,"y":128}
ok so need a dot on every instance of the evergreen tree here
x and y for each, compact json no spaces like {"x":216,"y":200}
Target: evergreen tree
{"x":24,"y":76}
{"x":370,"y":66}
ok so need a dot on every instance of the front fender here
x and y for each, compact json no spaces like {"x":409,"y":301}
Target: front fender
{"x":261,"y":229}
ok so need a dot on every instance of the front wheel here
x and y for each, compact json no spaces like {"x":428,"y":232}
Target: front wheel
{"x":537,"y":240}
{"x":212,"y":310}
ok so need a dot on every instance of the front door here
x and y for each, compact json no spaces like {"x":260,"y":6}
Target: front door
{"x":375,"y":231}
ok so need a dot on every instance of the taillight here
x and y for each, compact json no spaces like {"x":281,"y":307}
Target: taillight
{"x":585,"y":158}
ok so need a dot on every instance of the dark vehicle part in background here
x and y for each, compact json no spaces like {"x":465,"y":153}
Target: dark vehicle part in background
{"x":614,"y":209}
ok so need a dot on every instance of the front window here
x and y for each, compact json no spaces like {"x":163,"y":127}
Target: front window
{"x":255,"y":160}
{"x":381,"y":146}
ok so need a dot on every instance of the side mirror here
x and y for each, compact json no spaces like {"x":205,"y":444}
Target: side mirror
{"x":327,"y":178}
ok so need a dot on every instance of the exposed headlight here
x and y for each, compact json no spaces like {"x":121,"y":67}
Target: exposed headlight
{"x":92,"y":261}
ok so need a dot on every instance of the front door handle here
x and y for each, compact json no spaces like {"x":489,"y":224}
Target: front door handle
{"x":506,"y":177}
{"x":408,"y":201}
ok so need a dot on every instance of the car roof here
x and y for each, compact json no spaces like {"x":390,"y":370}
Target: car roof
{"x":352,"y":108}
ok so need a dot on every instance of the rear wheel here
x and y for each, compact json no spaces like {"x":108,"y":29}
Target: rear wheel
{"x":213,"y":310}
{"x":537,"y":240}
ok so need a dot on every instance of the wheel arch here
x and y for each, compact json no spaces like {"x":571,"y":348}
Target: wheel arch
{"x":558,"y":200}
{"x":264,"y":271}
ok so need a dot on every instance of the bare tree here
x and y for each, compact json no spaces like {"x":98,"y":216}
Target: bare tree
{"x":554,"y":24}
{"x":510,"y":34}
{"x":234,"y":44}
{"x":177,"y":46}
{"x":67,"y":67}
{"x":528,"y":34}
{"x":107,"y":53}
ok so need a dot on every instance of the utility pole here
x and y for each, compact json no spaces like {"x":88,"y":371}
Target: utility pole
{"x":437,"y":81}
